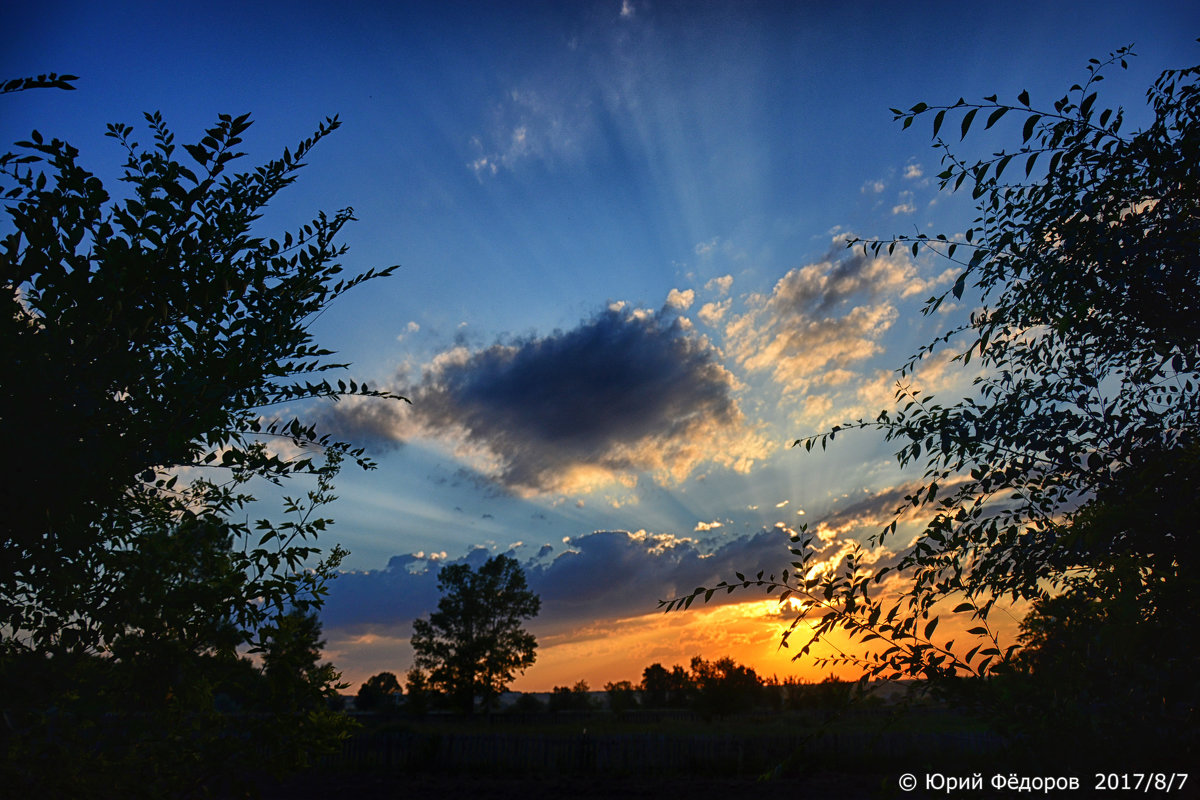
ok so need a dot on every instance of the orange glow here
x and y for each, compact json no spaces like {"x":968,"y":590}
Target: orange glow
{"x":748,"y":632}
{"x":619,"y":650}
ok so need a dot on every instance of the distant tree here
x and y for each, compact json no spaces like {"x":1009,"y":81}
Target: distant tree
{"x":379,"y":693}
{"x":147,"y":341}
{"x":622,"y":696}
{"x":573,"y":698}
{"x":1071,"y":467}
{"x":528,"y":703}
{"x":419,"y":694}
{"x":474,"y":644}
{"x":291,"y":658}
{"x":662,"y":688}
{"x":724,"y":687}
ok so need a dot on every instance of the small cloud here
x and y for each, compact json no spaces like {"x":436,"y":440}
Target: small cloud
{"x":704,"y":249}
{"x":873,"y":187}
{"x":626,"y":9}
{"x":721,"y":285}
{"x":712,"y":313}
{"x":708,"y":526}
{"x":913,"y":171}
{"x":905,"y":206}
{"x":410,"y":328}
{"x":681,"y":300}
{"x":782,"y":503}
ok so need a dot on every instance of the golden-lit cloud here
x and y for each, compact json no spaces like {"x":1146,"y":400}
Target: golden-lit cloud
{"x":821,"y":319}
{"x":625,"y":394}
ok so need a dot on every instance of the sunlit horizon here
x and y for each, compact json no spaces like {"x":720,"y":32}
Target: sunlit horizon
{"x":624,"y":288}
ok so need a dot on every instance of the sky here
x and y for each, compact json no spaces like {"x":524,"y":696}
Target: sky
{"x":624,"y":287}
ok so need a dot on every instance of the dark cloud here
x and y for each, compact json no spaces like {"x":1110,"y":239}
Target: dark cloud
{"x":624,"y":393}
{"x":601,"y":576}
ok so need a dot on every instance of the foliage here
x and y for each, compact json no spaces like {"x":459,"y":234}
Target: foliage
{"x":290,"y":658}
{"x":420,"y":695}
{"x":622,"y":696}
{"x":379,"y":693}
{"x":49,"y":81}
{"x":146,"y":339}
{"x":474,"y":644}
{"x":724,"y":686}
{"x":1072,"y":465}
{"x":572,"y":698}
{"x":666,"y":689}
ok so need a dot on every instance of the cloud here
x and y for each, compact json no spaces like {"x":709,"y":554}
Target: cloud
{"x":721,"y":285}
{"x":681,"y":301}
{"x":913,"y":171}
{"x":410,"y":328}
{"x":821,"y":318}
{"x":905,"y":206}
{"x":873,"y":187}
{"x":626,"y":393}
{"x":713,"y":313}
{"x":551,"y":123}
{"x":599,"y":577}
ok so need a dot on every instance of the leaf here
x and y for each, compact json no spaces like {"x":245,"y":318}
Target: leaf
{"x":1030,"y":124}
{"x":959,"y":285}
{"x":937,"y":121}
{"x":966,"y":121}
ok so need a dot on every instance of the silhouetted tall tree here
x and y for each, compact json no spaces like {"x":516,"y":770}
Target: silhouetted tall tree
{"x":1071,"y":467}
{"x":474,"y":644}
{"x":143,"y":336}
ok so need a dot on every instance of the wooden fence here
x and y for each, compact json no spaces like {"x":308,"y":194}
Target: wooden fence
{"x":524,"y":753}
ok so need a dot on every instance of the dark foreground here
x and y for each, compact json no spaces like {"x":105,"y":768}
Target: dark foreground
{"x":376,"y":787}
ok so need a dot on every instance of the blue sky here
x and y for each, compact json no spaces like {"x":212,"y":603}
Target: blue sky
{"x":624,"y":288}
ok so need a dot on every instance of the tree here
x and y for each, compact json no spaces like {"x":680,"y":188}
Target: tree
{"x":474,"y":644}
{"x":665,"y":689}
{"x":724,"y":686}
{"x":291,"y":663}
{"x":416,"y":685}
{"x":147,"y":341}
{"x":1071,"y":469}
{"x":572,"y":698}
{"x":379,"y":693}
{"x":622,"y":696}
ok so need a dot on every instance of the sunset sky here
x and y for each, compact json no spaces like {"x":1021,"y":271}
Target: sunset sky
{"x":624,"y":287}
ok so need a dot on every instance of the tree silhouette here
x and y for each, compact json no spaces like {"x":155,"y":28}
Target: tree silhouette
{"x":663,"y":688}
{"x":1071,"y":467}
{"x":379,"y":693}
{"x":148,"y":340}
{"x":474,"y":644}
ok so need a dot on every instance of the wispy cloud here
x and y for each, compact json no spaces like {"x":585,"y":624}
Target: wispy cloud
{"x":821,"y":318}
{"x":549,"y":123}
{"x":720,"y":285}
{"x":905,"y":206}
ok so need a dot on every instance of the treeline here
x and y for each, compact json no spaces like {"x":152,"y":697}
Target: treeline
{"x":712,"y":688}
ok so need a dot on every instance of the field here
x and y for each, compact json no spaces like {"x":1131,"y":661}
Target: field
{"x":646,"y":754}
